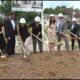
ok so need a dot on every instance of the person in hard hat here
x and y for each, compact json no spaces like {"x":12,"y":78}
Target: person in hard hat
{"x":74,"y":28}
{"x":10,"y":33}
{"x":23,"y":30}
{"x":37,"y":30}
{"x":61,"y":27}
{"x":51,"y":30}
{"x":25,"y":35}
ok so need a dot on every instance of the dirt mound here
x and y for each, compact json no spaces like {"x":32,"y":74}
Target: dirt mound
{"x":56,"y":65}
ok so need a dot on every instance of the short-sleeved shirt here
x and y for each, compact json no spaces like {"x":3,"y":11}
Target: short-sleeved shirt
{"x":23,"y":31}
{"x":36,"y":29}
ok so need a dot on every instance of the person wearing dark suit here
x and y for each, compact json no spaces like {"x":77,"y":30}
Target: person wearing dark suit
{"x":37,"y":30}
{"x":74,"y":28}
{"x":10,"y":32}
{"x":61,"y":27}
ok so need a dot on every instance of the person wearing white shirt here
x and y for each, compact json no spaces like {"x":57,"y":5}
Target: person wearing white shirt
{"x":61,"y":28}
{"x":10,"y":32}
{"x":74,"y":28}
{"x":13,"y":24}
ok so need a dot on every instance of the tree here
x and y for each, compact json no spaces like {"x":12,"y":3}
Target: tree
{"x":48,"y":10}
{"x":57,"y":10}
{"x":77,"y":11}
{"x":60,"y":9}
{"x":5,"y":7}
{"x":29,"y":16}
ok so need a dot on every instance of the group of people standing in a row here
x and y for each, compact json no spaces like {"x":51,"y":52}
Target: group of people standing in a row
{"x":7,"y":42}
{"x":56,"y":30}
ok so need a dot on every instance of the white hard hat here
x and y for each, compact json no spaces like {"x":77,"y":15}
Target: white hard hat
{"x":74,"y":19}
{"x":60,"y":15}
{"x":37,"y":19}
{"x":22,"y":20}
{"x":52,"y":15}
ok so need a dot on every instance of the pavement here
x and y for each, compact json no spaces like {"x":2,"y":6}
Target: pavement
{"x":45,"y":47}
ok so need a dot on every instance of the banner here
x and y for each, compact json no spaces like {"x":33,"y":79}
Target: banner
{"x":27,"y":5}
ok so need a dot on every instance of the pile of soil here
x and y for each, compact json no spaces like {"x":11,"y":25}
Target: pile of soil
{"x":46,"y":65}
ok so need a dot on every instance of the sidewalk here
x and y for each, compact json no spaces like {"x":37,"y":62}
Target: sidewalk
{"x":18,"y":48}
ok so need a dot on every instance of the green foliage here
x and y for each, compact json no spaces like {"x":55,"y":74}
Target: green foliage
{"x":63,"y":9}
{"x":29,"y":16}
{"x":1,"y":19}
{"x":5,"y":7}
{"x":48,"y":10}
{"x":30,"y":30}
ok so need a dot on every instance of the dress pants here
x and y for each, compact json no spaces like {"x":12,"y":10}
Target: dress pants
{"x":11,"y":46}
{"x":59,"y":37}
{"x":73,"y":42}
{"x":35,"y":40}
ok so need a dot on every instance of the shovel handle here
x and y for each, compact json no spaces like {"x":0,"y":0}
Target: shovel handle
{"x":75,"y":35}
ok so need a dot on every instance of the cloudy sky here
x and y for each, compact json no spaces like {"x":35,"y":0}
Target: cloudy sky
{"x":53,"y":4}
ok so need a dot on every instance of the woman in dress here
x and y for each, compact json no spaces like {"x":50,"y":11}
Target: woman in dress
{"x":51,"y":30}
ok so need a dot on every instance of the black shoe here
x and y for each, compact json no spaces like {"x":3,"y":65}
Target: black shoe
{"x":12,"y":55}
{"x":41,"y":51}
{"x":35,"y":52}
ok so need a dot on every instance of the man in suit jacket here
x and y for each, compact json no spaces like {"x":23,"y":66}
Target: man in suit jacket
{"x":74,"y":28}
{"x":61,"y":27}
{"x":10,"y":31}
